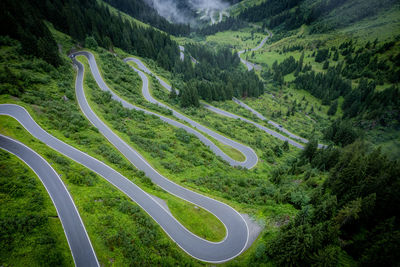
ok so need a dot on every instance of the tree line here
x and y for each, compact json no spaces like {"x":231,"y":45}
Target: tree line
{"x":80,"y":19}
{"x":218,"y":76}
{"x":140,"y":10}
{"x":20,"y":20}
{"x":353,"y":214}
{"x":291,"y":14}
{"x":230,"y":23}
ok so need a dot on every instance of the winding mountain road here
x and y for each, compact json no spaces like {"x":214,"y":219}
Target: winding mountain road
{"x":261,"y":127}
{"x":248,"y":64}
{"x":217,"y":136}
{"x":236,"y":227}
{"x":78,"y":240}
{"x":251,"y":156}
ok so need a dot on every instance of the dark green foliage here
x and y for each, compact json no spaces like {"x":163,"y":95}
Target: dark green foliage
{"x":218,"y":75}
{"x":326,"y":65}
{"x":333,"y":108}
{"x":172,"y":93}
{"x":291,"y":14}
{"x":80,"y":19}
{"x":310,"y":150}
{"x":285,"y":146}
{"x":325,"y":159}
{"x":353,"y":213}
{"x":383,"y":106}
{"x":268,"y":10}
{"x":326,"y":86}
{"x":336,"y":56}
{"x":189,"y":96}
{"x":20,"y":20}
{"x":140,"y":10}
{"x":230,"y":23}
{"x":341,"y":132}
{"x":367,"y":62}
{"x":91,"y":43}
{"x":322,"y":55}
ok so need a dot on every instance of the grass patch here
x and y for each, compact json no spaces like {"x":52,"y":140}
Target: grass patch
{"x":107,"y":213}
{"x":32,"y":233}
{"x":197,"y":220}
{"x":212,"y":229}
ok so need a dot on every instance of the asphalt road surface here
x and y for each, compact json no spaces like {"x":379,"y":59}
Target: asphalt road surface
{"x":276,"y":125}
{"x":78,"y":240}
{"x":236,"y":228}
{"x":248,"y":64}
{"x":251,"y":156}
{"x":263,"y":128}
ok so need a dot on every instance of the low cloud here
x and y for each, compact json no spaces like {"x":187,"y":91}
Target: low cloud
{"x":210,"y":11}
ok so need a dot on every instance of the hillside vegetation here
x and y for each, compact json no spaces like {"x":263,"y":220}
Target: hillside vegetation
{"x":330,"y":73}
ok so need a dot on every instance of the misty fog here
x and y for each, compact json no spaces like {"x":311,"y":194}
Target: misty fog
{"x":189,"y":11}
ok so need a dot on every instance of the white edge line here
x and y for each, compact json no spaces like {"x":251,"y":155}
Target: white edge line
{"x":221,"y":261}
{"x":145,"y":162}
{"x":66,"y":190}
{"x":219,"y":138}
{"x":167,"y":190}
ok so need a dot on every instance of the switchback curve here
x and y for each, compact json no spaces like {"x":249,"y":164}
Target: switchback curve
{"x":251,"y":156}
{"x":74,"y":229}
{"x":236,"y":227}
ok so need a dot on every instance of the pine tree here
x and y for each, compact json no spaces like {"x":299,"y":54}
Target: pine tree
{"x":326,"y":65}
{"x":333,"y":108}
{"x":172,"y":93}
{"x":336,"y":56}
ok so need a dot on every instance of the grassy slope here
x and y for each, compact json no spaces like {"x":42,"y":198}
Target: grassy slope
{"x":63,"y":120}
{"x":23,"y":197}
{"x":241,"y":39}
{"x":230,"y":151}
{"x":195,"y":219}
{"x":105,"y":211}
{"x":383,"y":26}
{"x":237,"y":8}
{"x":123,"y":15}
{"x":188,"y":177}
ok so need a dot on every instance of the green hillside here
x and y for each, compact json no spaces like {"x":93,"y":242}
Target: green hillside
{"x":329,"y":73}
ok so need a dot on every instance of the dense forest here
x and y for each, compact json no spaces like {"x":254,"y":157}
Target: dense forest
{"x":21,"y":21}
{"x":230,"y":23}
{"x":291,"y":14}
{"x":218,"y":76}
{"x":354,"y":212}
{"x":80,"y":19}
{"x":140,"y":10}
{"x":365,"y":64}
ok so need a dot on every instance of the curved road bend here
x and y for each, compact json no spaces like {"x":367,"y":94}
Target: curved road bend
{"x":248,"y":64}
{"x":182,"y":52}
{"x":263,"y":128}
{"x":149,"y":97}
{"x":237,"y":230}
{"x":276,"y":125}
{"x":78,"y":240}
{"x":251,"y":157}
